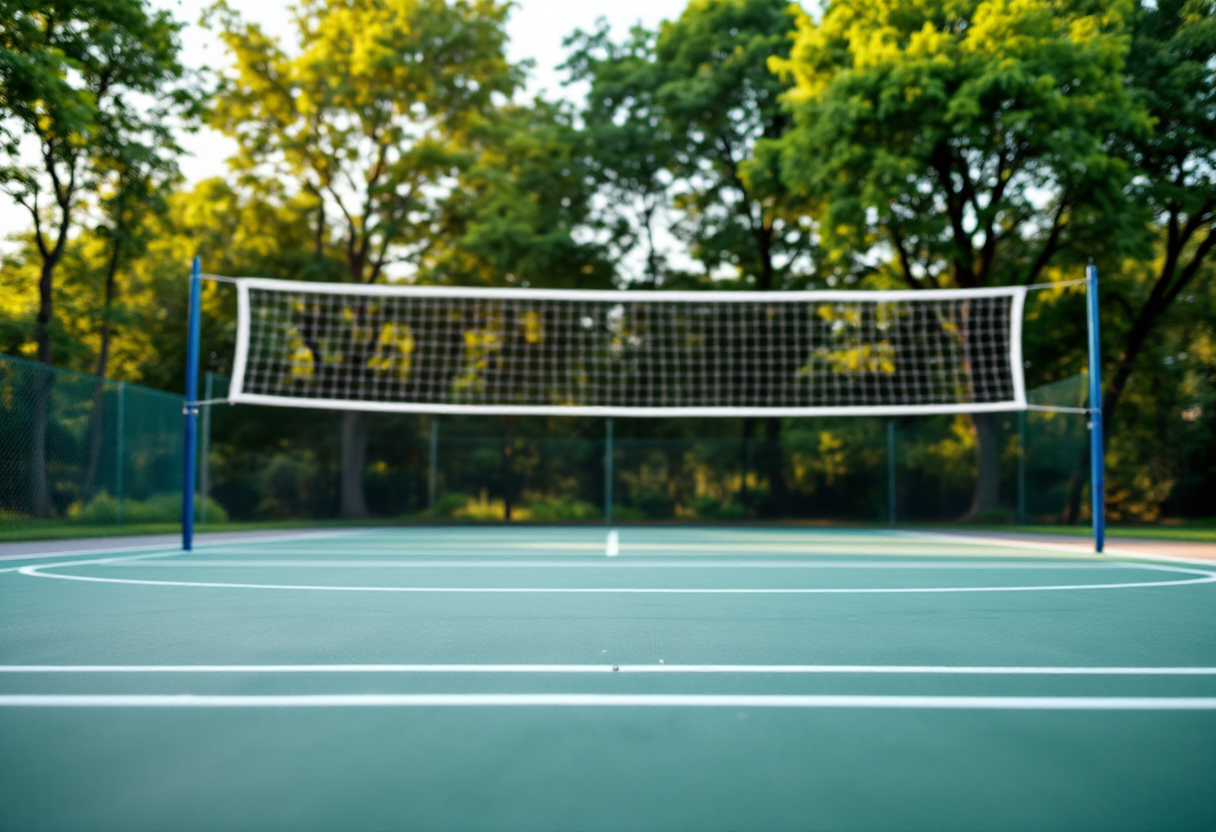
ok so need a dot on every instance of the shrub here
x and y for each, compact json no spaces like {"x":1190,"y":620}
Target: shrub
{"x":654,"y":503}
{"x":449,"y":503}
{"x":564,"y":508}
{"x":103,"y":509}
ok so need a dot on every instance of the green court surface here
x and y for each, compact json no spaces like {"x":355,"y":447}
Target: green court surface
{"x":523,"y":679}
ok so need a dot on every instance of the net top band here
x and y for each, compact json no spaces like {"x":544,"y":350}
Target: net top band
{"x":619,"y":295}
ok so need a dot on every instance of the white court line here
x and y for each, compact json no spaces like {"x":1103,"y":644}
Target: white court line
{"x":1079,"y":548}
{"x":962,"y":670}
{"x":166,"y":549}
{"x":636,"y":564}
{"x":97,"y":561}
{"x":1207,"y":577}
{"x":597,"y":700}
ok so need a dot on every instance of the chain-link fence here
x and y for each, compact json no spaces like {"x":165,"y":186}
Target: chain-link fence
{"x":76,"y":449}
{"x":855,"y":470}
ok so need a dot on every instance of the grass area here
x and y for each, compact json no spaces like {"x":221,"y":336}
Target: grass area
{"x":12,"y":530}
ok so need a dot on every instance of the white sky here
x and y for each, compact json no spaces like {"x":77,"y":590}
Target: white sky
{"x":536,"y":30}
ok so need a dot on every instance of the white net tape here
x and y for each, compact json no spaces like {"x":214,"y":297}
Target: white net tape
{"x":450,"y":350}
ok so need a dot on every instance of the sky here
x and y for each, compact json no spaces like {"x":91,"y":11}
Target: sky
{"x":536,"y":29}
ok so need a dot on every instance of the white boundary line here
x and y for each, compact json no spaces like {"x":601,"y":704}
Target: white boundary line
{"x":1207,"y":577}
{"x":1078,"y":548}
{"x":163,"y":550}
{"x":597,"y":700}
{"x":172,"y":548}
{"x":681,"y":564}
{"x":774,"y":669}
{"x":95,"y":561}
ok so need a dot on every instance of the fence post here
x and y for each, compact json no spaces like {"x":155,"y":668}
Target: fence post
{"x":891,"y":472}
{"x":120,"y":446}
{"x":433,"y":483}
{"x":608,"y":474}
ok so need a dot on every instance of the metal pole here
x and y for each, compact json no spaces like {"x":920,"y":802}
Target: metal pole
{"x":120,"y":447}
{"x":1021,"y":467}
{"x":891,"y":472}
{"x":190,"y":408}
{"x":433,"y":483}
{"x":608,"y":474}
{"x":1097,"y":478}
{"x":204,"y":473}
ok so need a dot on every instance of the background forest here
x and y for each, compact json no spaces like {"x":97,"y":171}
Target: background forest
{"x":747,"y":144}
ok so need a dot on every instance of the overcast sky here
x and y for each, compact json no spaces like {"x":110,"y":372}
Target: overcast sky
{"x":536,"y":30}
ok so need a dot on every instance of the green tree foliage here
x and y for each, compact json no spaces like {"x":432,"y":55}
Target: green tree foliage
{"x":965,"y":144}
{"x":629,"y":148}
{"x":720,"y":99}
{"x":521,"y":210}
{"x":1172,"y":74}
{"x":79,"y":80}
{"x":673,"y":120}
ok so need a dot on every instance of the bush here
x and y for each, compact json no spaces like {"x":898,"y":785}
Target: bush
{"x":654,"y":503}
{"x":163,"y":508}
{"x":994,"y":517}
{"x":732,"y":511}
{"x":449,"y":503}
{"x":564,"y":508}
{"x":290,"y":486}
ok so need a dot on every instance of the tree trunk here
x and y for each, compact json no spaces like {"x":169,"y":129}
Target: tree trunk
{"x":40,"y":495}
{"x":352,"y":505}
{"x":103,"y":361}
{"x":987,"y":494}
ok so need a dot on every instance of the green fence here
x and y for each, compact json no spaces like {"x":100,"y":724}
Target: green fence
{"x":75,"y":449}
{"x":821,"y":470}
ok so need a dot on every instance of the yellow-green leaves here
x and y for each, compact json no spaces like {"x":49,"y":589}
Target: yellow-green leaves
{"x":957,"y":139}
{"x":372,"y":111}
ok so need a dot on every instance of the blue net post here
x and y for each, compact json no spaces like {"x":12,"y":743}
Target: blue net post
{"x":191,"y":405}
{"x":1097,"y":484}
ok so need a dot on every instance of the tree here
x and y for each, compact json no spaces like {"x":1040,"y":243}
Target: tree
{"x":720,"y":99}
{"x":1172,"y":75}
{"x":629,"y":148}
{"x":68,"y":68}
{"x":1172,"y":71}
{"x":372,"y":118}
{"x":963,"y":144}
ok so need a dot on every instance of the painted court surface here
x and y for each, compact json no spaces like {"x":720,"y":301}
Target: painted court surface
{"x":520,"y":679}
